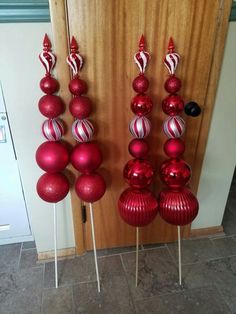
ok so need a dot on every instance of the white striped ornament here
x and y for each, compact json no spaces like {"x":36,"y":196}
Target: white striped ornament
{"x":140,"y":127}
{"x":48,"y":60}
{"x":75,"y":62}
{"x":52,"y":129}
{"x":141,"y":58}
{"x":82,"y":130}
{"x":174,"y":127}
{"x":171,"y":61}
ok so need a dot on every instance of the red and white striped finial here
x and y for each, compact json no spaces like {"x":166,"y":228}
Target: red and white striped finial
{"x":142,"y":57}
{"x":172,"y":58}
{"x":74,"y":59}
{"x":46,"y":57}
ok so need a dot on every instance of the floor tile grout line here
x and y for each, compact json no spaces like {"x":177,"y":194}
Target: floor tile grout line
{"x":19,"y":259}
{"x":223,"y":297}
{"x":42,"y":289}
{"x":172,"y":257}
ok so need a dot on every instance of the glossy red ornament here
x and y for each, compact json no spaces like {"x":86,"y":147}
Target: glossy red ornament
{"x":175,"y":173}
{"x":178,"y":208}
{"x":86,"y":157}
{"x":173,"y":105}
{"x":90,"y":187}
{"x":172,"y":84}
{"x":138,"y":148}
{"x":138,"y":173}
{"x":52,"y":157}
{"x":140,"y":84}
{"x":141,"y":104}
{"x":53,"y":188}
{"x":51,"y":106}
{"x":174,"y":147}
{"x":80,"y":107}
{"x":49,"y":85}
{"x":137,"y":208}
{"x":78,"y":87}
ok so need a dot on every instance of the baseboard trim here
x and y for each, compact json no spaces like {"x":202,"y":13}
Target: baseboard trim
{"x":205,"y":232}
{"x":62,"y":253}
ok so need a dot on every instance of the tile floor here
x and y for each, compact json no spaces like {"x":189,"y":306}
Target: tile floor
{"x":209,"y":278}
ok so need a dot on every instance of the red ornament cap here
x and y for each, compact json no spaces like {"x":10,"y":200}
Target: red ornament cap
{"x":142,"y":57}
{"x":74,"y":59}
{"x":46,"y":57}
{"x":172,"y":58}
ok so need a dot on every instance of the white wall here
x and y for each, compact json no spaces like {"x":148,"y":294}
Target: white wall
{"x":20,"y":73}
{"x":220,"y":157}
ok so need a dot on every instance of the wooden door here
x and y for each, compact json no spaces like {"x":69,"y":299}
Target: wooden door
{"x":108,"y":32}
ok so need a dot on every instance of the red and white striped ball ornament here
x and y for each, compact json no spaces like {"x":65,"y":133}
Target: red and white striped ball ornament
{"x":52,"y":129}
{"x":140,"y":127}
{"x":174,"y":127}
{"x":82,"y":130}
{"x":172,"y":58}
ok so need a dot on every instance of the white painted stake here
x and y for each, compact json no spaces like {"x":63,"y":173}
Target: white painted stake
{"x":94,"y":246}
{"x":179,"y":251}
{"x":55,"y":244}
{"x":137,"y":244}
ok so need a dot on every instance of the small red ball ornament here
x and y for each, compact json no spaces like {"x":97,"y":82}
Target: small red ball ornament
{"x":138,"y":148}
{"x":179,"y":208}
{"x":51,"y":106}
{"x":175,"y":173}
{"x":138,"y":173}
{"x":172,"y":84}
{"x":137,"y":208}
{"x":80,"y":107}
{"x":52,"y":157}
{"x":140,"y":84}
{"x":141,"y":105}
{"x":52,"y":188}
{"x":49,"y":85}
{"x":174,"y":147}
{"x":86,"y":157}
{"x":78,"y":87}
{"x":173,"y":105}
{"x":90,"y":187}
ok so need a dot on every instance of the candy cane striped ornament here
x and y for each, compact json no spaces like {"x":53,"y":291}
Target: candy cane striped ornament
{"x":52,"y":129}
{"x":47,"y":58}
{"x":82,"y":130}
{"x":142,"y":57}
{"x":140,"y":127}
{"x":74,"y":59}
{"x":172,"y":58}
{"x":174,"y":127}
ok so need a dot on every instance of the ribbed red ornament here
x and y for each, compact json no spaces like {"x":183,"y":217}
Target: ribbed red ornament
{"x":178,"y":208}
{"x":137,"y":208}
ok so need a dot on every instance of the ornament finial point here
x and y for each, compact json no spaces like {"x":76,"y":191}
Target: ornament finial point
{"x":171,"y":46}
{"x":141,"y":43}
{"x":73,"y":44}
{"x":46,"y":43}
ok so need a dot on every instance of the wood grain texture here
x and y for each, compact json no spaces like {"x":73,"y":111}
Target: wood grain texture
{"x":108,"y":33}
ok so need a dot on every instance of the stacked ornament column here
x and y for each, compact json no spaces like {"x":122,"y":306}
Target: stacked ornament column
{"x":137,"y":205}
{"x":177,"y":205}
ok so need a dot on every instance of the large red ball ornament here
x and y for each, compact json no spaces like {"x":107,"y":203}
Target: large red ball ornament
{"x":78,"y":87}
{"x":138,"y":148}
{"x":137,"y":208}
{"x":90,"y":187}
{"x":53,"y":188}
{"x":172,"y":84}
{"x":51,"y":106}
{"x":173,"y":105}
{"x":80,"y":107}
{"x":174,"y":147}
{"x":138,"y":173}
{"x":175,"y":173}
{"x":52,"y":157}
{"x":86,"y":157}
{"x":140,"y":84}
{"x":49,"y":85}
{"x":178,"y":208}
{"x":141,"y":105}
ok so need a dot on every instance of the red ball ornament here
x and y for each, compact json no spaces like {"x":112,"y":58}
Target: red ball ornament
{"x":86,"y":157}
{"x":49,"y":85}
{"x":174,"y":147}
{"x":80,"y":107}
{"x":52,"y":188}
{"x":138,"y":148}
{"x":90,"y":187}
{"x":178,"y":208}
{"x":173,"y":105}
{"x":51,"y":106}
{"x":140,"y":84}
{"x":137,"y":208}
{"x":78,"y":87}
{"x":175,"y":173}
{"x":172,"y":84}
{"x":52,"y":157}
{"x":138,"y":173}
{"x":141,"y":105}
